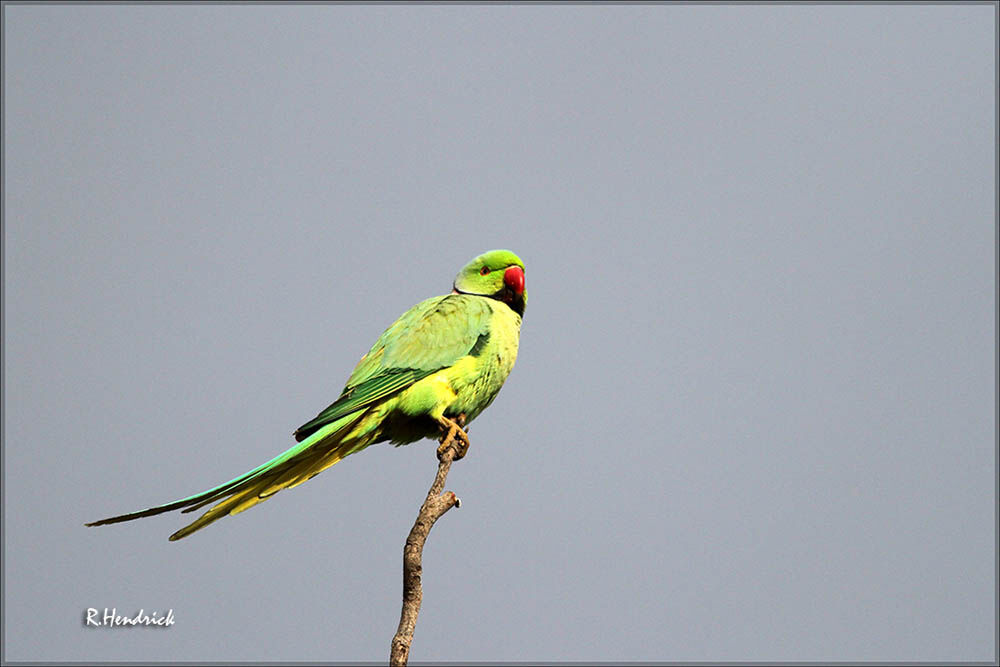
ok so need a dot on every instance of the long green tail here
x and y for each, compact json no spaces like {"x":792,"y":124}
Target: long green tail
{"x":306,"y":459}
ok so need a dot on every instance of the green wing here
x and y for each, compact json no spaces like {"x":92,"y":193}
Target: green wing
{"x":432,"y":335}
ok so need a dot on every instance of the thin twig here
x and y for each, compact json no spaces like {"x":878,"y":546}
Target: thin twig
{"x":433,"y":508}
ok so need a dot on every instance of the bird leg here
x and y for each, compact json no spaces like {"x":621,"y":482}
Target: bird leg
{"x":453,"y":433}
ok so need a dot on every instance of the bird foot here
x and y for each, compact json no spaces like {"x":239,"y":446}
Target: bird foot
{"x":453,"y":434}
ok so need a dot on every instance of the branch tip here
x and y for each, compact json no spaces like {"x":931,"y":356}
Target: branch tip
{"x":454,"y":445}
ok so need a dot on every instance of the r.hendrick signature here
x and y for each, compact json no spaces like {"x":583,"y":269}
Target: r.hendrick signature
{"x":111,"y":619}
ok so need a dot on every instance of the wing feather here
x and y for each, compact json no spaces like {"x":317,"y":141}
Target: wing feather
{"x":432,"y":335}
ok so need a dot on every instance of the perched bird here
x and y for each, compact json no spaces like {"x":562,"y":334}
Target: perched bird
{"x":443,"y":361}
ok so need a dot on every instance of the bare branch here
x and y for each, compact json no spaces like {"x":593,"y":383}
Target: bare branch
{"x":454,"y":444}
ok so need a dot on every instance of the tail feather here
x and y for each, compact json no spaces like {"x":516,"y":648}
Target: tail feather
{"x":292,"y":473}
{"x":290,"y":468}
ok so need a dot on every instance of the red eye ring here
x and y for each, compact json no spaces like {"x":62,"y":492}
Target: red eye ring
{"x":484,"y":271}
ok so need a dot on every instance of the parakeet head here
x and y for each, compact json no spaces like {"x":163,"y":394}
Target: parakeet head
{"x":498,"y":274}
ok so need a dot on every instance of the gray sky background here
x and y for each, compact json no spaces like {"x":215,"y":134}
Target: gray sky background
{"x":753,"y":413}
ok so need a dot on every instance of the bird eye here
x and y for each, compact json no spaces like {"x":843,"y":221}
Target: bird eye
{"x":484,"y":271}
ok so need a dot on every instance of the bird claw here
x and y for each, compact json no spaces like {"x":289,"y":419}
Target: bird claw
{"x":453,"y":435}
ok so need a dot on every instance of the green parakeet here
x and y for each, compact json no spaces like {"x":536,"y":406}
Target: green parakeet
{"x":446,"y":356}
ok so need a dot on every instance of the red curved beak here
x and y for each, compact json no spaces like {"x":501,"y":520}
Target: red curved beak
{"x":513,"y":278}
